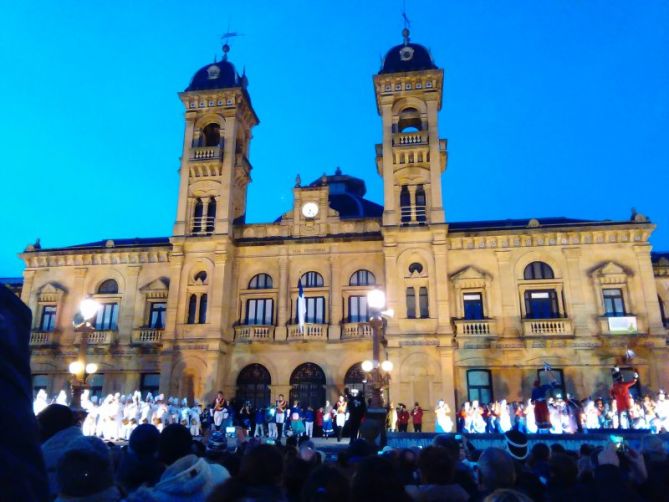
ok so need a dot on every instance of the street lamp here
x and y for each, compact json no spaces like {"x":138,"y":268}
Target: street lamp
{"x":379,"y":371}
{"x":79,"y":369}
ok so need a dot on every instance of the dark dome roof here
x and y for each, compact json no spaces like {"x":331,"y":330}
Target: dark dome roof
{"x":407,"y":57}
{"x":347,"y":196}
{"x":220,"y":75}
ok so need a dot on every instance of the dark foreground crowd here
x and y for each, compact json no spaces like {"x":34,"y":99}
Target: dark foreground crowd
{"x":172,"y":466}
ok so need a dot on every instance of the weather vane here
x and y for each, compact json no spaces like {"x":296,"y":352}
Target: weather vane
{"x":226,"y":37}
{"x":407,"y":23}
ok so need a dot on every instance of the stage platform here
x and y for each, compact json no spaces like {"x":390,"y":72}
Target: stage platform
{"x":483,"y":441}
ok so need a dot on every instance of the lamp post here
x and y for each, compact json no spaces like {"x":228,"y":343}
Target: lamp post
{"x":379,"y":371}
{"x":80,"y":369}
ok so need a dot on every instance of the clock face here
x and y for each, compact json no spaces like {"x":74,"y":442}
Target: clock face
{"x":310,"y":209}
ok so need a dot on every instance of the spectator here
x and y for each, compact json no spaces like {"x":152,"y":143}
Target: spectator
{"x":506,"y":495}
{"x":464,"y":475}
{"x":139,"y":464}
{"x":437,"y":470}
{"x":376,"y":479}
{"x":57,"y":430}
{"x":326,"y":484}
{"x":85,"y":472}
{"x":496,"y":470}
{"x":186,"y":477}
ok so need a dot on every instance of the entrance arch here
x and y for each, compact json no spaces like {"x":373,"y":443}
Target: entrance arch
{"x":355,"y":378}
{"x":308,"y":385}
{"x":253,"y":384}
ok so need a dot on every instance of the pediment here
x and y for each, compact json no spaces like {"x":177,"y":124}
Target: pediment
{"x":157,"y":285}
{"x":609,"y":268}
{"x":52,"y":288}
{"x":468,"y":273}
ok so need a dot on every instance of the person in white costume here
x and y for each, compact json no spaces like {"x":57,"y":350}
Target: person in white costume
{"x":172,"y":411}
{"x":530,"y":423}
{"x":89,"y":426}
{"x":504,"y":416}
{"x":194,"y":416}
{"x":146,"y":412}
{"x":41,"y":401}
{"x":662,"y":412}
{"x":119,"y":405}
{"x":478,"y":422}
{"x":444,"y":423}
{"x":160,"y":413}
{"x":184,"y":413}
{"x":62,"y":398}
{"x":591,"y":415}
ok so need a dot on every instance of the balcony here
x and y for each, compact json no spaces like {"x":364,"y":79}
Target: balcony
{"x":147,"y":336}
{"x":309,"y":332}
{"x":547,"y":327}
{"x":479,"y":327}
{"x":97,"y":337}
{"x":356,"y":331}
{"x":203,"y":153}
{"x":41,"y":338}
{"x":254,"y":333}
{"x":410,"y":138}
{"x":619,"y":325}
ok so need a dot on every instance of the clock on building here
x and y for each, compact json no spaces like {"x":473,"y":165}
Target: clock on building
{"x":310,"y":209}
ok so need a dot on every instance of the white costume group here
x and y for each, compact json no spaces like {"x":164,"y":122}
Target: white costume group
{"x":117,"y":415}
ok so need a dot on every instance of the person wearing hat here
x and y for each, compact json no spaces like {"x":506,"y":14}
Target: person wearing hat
{"x":620,"y":392}
{"x":662,"y":412}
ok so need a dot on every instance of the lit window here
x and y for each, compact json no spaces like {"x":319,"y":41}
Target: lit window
{"x":48,"y":320}
{"x":312,"y":280}
{"x":315,"y":312}
{"x":362,"y":278}
{"x":357,"y":309}
{"x":261,"y":281}
{"x":259,"y":311}
{"x":107,"y":317}
{"x":157,"y":315}
{"x":479,"y":386}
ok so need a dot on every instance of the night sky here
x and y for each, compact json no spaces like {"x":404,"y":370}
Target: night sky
{"x":551,"y":108}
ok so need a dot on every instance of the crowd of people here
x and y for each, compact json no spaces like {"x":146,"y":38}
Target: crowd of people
{"x":173,"y":465}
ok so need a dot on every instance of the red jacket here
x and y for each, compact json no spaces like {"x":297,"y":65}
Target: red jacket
{"x":417,"y":415}
{"x":403,"y":417}
{"x":620,"y":391}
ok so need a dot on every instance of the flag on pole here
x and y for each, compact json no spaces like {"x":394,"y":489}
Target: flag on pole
{"x":301,"y":305}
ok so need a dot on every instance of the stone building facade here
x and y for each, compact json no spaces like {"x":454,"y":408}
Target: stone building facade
{"x":478,"y":306}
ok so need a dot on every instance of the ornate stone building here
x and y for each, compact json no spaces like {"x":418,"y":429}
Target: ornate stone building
{"x":479,"y":306}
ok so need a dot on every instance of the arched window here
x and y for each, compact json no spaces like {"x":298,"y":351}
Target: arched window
{"x":211,"y":135}
{"x":197,"y":215}
{"x":312,"y":280}
{"x":192,"y":305}
{"x":362,"y":278}
{"x":420,"y":204}
{"x":108,"y":287}
{"x":211,"y":214}
{"x":663,"y":312}
{"x":538,"y":270}
{"x":409,"y":120}
{"x":253,"y":386}
{"x":201,"y":277}
{"x":202,"y":315}
{"x":415,"y":268}
{"x":405,"y":204}
{"x":308,"y":385}
{"x":261,"y":281}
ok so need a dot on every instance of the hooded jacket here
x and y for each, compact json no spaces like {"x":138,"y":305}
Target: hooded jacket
{"x":53,"y":449}
{"x":190,"y":478}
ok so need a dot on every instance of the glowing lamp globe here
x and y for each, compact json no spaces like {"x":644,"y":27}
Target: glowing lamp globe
{"x":76,"y":368}
{"x":367,"y":366}
{"x":91,"y":368}
{"x":89,"y":308}
{"x":387,"y":366}
{"x":376,"y":299}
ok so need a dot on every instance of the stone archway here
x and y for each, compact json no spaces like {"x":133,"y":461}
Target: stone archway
{"x":308,"y":385}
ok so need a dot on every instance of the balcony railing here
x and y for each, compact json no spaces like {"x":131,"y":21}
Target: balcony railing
{"x":256,"y":333}
{"x":147,"y":336}
{"x":39,"y":338}
{"x":97,"y":337}
{"x":308,"y":332}
{"x":356,"y":330}
{"x":410,"y":138}
{"x":201,"y":153}
{"x":202,"y":225}
{"x":542,"y":327}
{"x":480,"y":327}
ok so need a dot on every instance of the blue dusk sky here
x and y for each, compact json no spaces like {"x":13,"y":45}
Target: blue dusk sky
{"x":551,"y":108}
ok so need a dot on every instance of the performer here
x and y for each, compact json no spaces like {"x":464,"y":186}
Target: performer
{"x":620,"y":392}
{"x":402,"y":418}
{"x":530,"y":424}
{"x":356,"y":412}
{"x":160,"y":413}
{"x":146,"y":410}
{"x":591,"y":416}
{"x":309,"y":416}
{"x":340,"y":420}
{"x":296,"y":424}
{"x":245,"y":417}
{"x":417,"y":417}
{"x":90,"y":405}
{"x":259,"y":430}
{"x":194,"y":417}
{"x":270,"y":418}
{"x":327,"y":420}
{"x":392,"y":418}
{"x":281,"y":409}
{"x":41,"y":401}
{"x":219,"y":410}
{"x":184,"y":413}
{"x":542,"y":418}
{"x":504,"y":419}
{"x":443,"y":422}
{"x":662,"y":412}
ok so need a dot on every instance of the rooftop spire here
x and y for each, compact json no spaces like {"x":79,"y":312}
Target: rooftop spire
{"x":226,"y":47}
{"x":407,"y":23}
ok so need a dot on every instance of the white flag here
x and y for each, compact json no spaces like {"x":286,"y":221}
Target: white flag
{"x":301,"y":305}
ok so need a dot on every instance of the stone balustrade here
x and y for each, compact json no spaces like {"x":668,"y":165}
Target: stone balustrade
{"x":254,"y":333}
{"x":543,"y":327}
{"x":206,"y":153}
{"x":39,"y":338}
{"x":356,"y":330}
{"x":147,"y":336}
{"x":308,"y":332}
{"x":479,"y":327}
